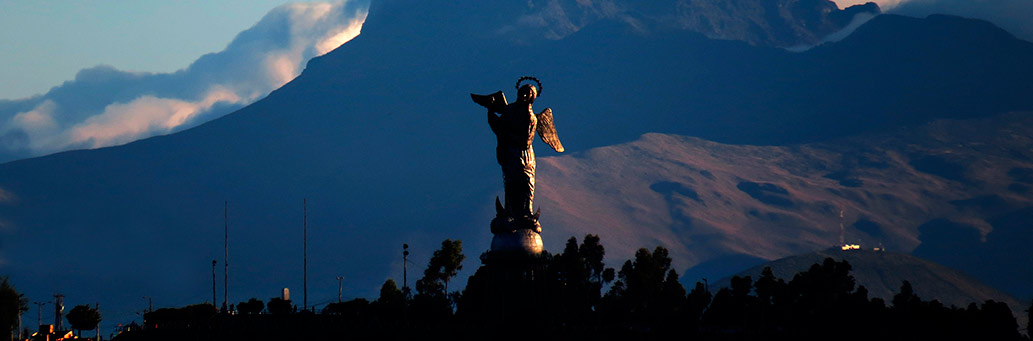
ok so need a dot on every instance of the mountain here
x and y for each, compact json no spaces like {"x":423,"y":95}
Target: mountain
{"x":777,"y":23}
{"x":380,"y":138}
{"x":782,"y":23}
{"x":947,"y":186}
{"x":882,"y":273}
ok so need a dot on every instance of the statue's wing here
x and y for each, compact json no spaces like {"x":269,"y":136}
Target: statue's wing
{"x":547,"y":130}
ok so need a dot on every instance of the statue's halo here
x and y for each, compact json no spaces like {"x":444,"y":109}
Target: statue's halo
{"x":524,"y":78}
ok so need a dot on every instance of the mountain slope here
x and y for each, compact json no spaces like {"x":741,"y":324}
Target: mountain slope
{"x":721,"y":207}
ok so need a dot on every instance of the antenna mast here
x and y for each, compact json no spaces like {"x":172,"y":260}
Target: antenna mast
{"x":226,"y":254}
{"x":304,"y":207}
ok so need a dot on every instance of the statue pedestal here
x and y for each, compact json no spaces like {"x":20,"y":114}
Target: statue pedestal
{"x":510,"y":283}
{"x":517,"y":244}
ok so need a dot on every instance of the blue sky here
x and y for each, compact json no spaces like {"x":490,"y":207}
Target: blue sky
{"x":47,"y":42}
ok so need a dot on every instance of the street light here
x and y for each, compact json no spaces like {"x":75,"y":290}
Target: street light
{"x":39,"y":312}
{"x":405,"y":269}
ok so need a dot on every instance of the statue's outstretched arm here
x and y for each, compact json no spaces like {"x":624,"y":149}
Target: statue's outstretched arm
{"x":547,"y":130}
{"x":495,"y":102}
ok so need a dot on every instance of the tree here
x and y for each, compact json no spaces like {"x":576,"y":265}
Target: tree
{"x":190,"y":316}
{"x":444,"y":264}
{"x":906,"y":299}
{"x":82,"y":317}
{"x":449,"y":260}
{"x":279,"y":306}
{"x":389,"y":293}
{"x":390,"y":307}
{"x":695,"y":303}
{"x":433,"y":302}
{"x":645,"y":287}
{"x":12,"y":305}
{"x":593,"y":252}
{"x":252,"y":306}
{"x":355,"y":310}
{"x":569,"y":281}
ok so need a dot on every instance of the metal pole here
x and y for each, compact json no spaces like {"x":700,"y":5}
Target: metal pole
{"x":39,"y":312}
{"x":339,"y":278}
{"x":96,"y":306}
{"x":405,"y":269}
{"x":226,"y":254}
{"x":214,"y":298}
{"x":304,"y":208}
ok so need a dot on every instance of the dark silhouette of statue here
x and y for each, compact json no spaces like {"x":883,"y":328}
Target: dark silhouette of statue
{"x":514,"y":125}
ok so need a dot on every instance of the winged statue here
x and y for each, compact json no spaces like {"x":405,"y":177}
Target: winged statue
{"x":515,"y":125}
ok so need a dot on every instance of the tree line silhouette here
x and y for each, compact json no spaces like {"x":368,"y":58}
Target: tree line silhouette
{"x":562,"y":295}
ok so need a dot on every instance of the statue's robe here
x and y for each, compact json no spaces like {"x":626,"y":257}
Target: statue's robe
{"x":514,"y":130}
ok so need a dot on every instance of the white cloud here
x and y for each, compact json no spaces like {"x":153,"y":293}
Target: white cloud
{"x":883,"y":4}
{"x":104,"y":106}
{"x":147,"y":115}
{"x":39,"y":119}
{"x":858,"y":20}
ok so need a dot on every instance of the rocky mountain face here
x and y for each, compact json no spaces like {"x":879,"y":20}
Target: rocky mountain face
{"x":778,"y":23}
{"x":783,"y":23}
{"x":382,"y":140}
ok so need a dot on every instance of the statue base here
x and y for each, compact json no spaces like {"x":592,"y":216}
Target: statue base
{"x":510,"y":283}
{"x":518,"y":243}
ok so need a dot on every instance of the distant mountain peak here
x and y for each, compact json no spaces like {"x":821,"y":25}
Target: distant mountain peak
{"x":773,"y":23}
{"x":780,"y":23}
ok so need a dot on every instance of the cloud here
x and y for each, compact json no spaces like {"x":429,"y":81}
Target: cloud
{"x":885,"y":5}
{"x":103,"y":106}
{"x":858,"y":20}
{"x":125,"y":122}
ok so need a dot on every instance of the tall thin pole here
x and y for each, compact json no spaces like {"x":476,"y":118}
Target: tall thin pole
{"x":225,"y":254}
{"x":39,"y":312}
{"x":339,"y":288}
{"x":304,"y":208}
{"x":214,"y":298}
{"x":405,"y":269}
